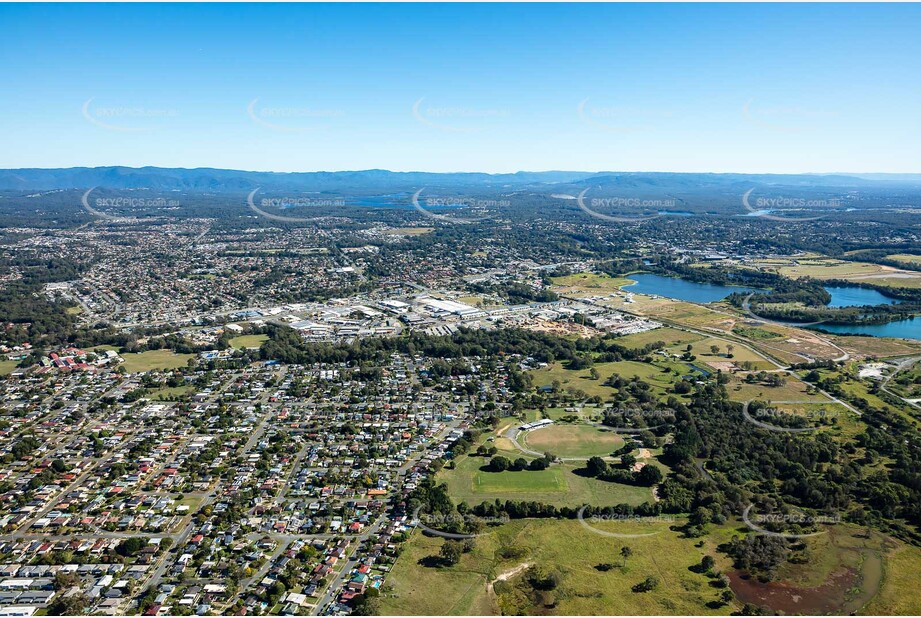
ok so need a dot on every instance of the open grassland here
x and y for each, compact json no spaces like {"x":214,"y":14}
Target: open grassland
{"x":582,"y":412}
{"x":154,"y":359}
{"x":572,"y":440}
{"x":819,"y":267}
{"x":551,"y":480}
{"x":573,"y":551}
{"x":558,"y":485}
{"x":174,"y":393}
{"x":880,"y":347}
{"x":478,"y":300}
{"x":908,"y":383}
{"x":720,"y":320}
{"x":846,"y":424}
{"x":248,"y":341}
{"x":703,"y":351}
{"x":408,"y":231}
{"x":669,"y":336}
{"x":591,"y":282}
{"x":793,"y":390}
{"x":846,"y":572}
{"x":661,"y":375}
{"x":757,"y":333}
{"x":580,"y":379}
{"x":418,"y":590}
{"x":906,"y":258}
{"x":900,"y":593}
{"x":7,"y":367}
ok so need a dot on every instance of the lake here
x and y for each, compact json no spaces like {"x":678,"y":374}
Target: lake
{"x":850,"y":296}
{"x":909,"y":329}
{"x":672,"y":287}
{"x":680,"y":289}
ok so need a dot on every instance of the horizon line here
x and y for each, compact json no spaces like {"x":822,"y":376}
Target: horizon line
{"x":417,"y":171}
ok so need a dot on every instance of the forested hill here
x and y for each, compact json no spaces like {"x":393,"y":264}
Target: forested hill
{"x":217,"y":180}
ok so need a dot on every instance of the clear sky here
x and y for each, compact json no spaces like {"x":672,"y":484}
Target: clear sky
{"x":495,"y":88}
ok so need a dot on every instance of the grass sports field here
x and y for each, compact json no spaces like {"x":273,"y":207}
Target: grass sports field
{"x":551,"y":480}
{"x":154,"y":359}
{"x":572,"y":440}
{"x":248,"y":341}
{"x":559,"y":484}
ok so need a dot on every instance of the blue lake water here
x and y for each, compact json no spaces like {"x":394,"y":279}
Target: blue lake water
{"x":909,"y":329}
{"x":672,"y":287}
{"x":857,"y":297}
{"x":850,"y":296}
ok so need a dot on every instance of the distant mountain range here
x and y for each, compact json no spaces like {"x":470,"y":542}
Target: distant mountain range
{"x":221,"y":180}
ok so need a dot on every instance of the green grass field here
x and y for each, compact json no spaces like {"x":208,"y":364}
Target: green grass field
{"x":174,"y":393}
{"x":846,"y":427}
{"x":7,"y":367}
{"x":820,"y":267}
{"x":572,"y":440}
{"x":558,"y":485}
{"x":756,"y":333}
{"x":654,"y":373}
{"x":248,"y":341}
{"x":793,"y":390}
{"x":592,"y":282}
{"x":154,"y":359}
{"x":900,"y":594}
{"x":573,"y":551}
{"x":551,"y":480}
{"x":580,"y":379}
{"x":906,"y":258}
{"x":702,"y":351}
{"x":888,"y":579}
{"x":670,"y":336}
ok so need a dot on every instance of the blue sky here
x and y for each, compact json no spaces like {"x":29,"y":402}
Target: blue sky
{"x":495,"y":88}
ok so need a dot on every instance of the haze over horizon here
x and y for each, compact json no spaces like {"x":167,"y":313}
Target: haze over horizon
{"x":493,"y":89}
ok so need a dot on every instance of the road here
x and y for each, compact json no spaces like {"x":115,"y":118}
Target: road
{"x":902,"y":366}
